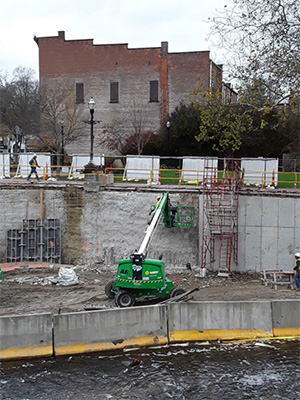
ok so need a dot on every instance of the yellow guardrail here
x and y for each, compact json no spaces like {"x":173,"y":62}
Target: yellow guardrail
{"x":258,"y":179}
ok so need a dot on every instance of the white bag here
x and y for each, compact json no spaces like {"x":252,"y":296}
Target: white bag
{"x":67,"y":277}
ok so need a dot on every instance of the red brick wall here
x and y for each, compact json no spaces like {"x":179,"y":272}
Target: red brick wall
{"x":80,"y":61}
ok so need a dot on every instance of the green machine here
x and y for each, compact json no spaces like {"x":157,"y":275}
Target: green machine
{"x":139,"y":276}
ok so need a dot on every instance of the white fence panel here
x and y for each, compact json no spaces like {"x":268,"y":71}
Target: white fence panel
{"x":139,"y":167}
{"x":4,"y":166}
{"x":193,"y":168}
{"x":258,"y":168}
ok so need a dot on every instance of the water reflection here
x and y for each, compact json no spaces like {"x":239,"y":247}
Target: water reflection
{"x":251,"y":370}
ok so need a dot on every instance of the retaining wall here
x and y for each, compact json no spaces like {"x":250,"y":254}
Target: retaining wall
{"x":32,"y":335}
{"x":102,"y":226}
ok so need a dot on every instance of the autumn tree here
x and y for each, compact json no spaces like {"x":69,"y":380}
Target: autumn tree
{"x":222,"y":125}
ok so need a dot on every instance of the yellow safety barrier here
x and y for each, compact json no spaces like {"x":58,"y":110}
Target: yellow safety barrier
{"x":252,"y":179}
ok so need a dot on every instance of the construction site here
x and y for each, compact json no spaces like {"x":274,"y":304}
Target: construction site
{"x":233,"y":242}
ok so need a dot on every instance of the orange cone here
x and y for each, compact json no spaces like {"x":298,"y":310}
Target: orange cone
{"x":46,"y":176}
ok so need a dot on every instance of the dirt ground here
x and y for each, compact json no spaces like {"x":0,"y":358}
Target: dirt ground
{"x":32,"y":289}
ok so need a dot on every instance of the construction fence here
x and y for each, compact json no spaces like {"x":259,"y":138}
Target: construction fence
{"x":249,"y":172}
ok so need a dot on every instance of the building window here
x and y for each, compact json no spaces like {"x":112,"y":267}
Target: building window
{"x":114,"y":92}
{"x":153,"y":91}
{"x":79,"y":93}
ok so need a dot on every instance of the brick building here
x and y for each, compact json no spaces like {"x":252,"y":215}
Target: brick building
{"x":124,"y":82}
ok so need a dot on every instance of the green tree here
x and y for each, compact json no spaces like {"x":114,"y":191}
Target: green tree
{"x":222,"y":125}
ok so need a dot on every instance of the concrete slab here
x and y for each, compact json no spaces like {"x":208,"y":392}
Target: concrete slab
{"x":253,"y":217}
{"x":269,"y":212}
{"x":110,"y":329}
{"x":286,"y":213}
{"x":24,"y":336}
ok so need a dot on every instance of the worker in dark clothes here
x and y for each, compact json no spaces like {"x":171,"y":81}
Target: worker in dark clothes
{"x":33,"y":164}
{"x":297,"y":270}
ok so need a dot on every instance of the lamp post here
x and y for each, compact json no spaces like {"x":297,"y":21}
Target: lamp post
{"x":92,"y":107}
{"x":62,"y":159}
{"x":168,"y":125}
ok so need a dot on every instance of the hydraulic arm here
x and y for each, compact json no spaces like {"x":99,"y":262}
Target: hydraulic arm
{"x":157,"y":213}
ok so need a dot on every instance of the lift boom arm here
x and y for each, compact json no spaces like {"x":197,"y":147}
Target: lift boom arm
{"x":158,"y":211}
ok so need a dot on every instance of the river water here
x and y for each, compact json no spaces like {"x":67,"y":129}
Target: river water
{"x":248,"y":370}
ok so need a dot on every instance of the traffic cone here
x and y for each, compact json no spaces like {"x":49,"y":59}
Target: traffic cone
{"x":273,"y":179}
{"x":46,"y":175}
{"x":215,"y":175}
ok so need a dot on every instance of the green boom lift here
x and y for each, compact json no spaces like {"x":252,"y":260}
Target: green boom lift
{"x":139,"y":276}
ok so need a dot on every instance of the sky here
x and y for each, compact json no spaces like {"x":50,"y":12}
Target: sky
{"x":140,"y":23}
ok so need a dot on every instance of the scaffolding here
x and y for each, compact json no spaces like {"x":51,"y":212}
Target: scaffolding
{"x":220,"y":218}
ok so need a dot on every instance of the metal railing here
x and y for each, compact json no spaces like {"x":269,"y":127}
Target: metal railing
{"x":252,"y":179}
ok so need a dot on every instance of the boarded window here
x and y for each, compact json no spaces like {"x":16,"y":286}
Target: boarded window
{"x":153,"y":91}
{"x":79,"y":93}
{"x":114,"y":92}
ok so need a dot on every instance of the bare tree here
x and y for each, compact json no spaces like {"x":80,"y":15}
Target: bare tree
{"x":138,"y":119}
{"x":112,"y":137}
{"x":61,"y":119}
{"x":133,"y":139}
{"x":262,"y":40}
{"x":19,"y":106}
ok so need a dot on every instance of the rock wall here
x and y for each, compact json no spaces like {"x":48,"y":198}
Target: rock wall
{"x":99,"y":227}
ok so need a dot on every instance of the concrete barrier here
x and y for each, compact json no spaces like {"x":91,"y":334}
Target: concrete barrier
{"x":24,"y":336}
{"x":83,"y":332}
{"x":197,"y":321}
{"x":110,"y":329}
{"x":286,"y":317}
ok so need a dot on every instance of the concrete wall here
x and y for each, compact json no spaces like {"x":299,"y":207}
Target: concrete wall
{"x":74,"y":333}
{"x":269,"y":232}
{"x":102,"y":226}
{"x":26,"y":336}
{"x":286,"y":317}
{"x":215,"y":320}
{"x":109,"y":330}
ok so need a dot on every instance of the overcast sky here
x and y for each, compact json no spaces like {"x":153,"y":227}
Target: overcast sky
{"x":140,"y":23}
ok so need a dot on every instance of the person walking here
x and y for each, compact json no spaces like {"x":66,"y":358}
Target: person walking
{"x":297,"y":270}
{"x":34,"y":165}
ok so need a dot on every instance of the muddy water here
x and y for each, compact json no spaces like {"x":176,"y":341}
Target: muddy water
{"x":252,"y":370}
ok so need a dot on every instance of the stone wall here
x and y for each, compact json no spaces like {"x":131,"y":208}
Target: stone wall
{"x":99,"y":227}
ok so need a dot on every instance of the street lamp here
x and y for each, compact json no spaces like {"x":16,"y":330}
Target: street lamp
{"x":92,"y":107}
{"x":168,"y":125}
{"x":62,"y":159}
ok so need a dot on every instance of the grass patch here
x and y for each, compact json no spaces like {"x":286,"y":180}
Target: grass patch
{"x":288,"y":179}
